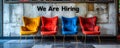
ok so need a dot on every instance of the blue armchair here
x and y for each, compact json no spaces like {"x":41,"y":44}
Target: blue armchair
{"x":69,"y":26}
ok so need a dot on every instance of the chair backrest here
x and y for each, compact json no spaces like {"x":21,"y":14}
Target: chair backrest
{"x":88,"y":24}
{"x":31,"y":23}
{"x":49,"y":21}
{"x":69,"y":21}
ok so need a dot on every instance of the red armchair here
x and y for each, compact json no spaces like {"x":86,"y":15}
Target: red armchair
{"x":49,"y":26}
{"x":89,"y":26}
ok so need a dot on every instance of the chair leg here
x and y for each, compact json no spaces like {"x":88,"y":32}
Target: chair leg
{"x":63,"y":41}
{"x":26,"y":37}
{"x":85,"y":42}
{"x":34,"y":39}
{"x":76,"y":38}
{"x":76,"y":41}
{"x":41,"y":39}
{"x":54,"y":40}
{"x":82,"y":38}
{"x":99,"y":39}
{"x":85,"y":39}
{"x":20,"y":39}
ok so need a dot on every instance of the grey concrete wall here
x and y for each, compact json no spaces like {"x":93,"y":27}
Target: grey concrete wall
{"x":12,"y":19}
{"x":13,"y":16}
{"x":110,"y":27}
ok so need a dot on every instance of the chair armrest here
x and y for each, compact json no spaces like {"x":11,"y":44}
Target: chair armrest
{"x":23,"y":28}
{"x":62,"y":28}
{"x":97,"y":28}
{"x":55,"y":28}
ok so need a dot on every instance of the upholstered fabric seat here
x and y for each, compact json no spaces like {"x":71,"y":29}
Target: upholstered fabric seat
{"x":49,"y":26}
{"x":69,"y":26}
{"x":30,"y":25}
{"x":89,"y":26}
{"x":48,"y":30}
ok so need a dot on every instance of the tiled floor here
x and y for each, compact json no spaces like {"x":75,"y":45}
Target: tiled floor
{"x":38,"y":44}
{"x":57,"y":44}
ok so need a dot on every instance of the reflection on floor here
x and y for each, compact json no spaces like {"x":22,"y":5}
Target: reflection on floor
{"x":38,"y":44}
{"x":57,"y":44}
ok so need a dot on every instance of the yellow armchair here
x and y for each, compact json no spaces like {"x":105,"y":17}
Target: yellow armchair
{"x":30,"y":25}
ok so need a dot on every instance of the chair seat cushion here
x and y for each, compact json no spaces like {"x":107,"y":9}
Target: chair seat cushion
{"x":48,"y":28}
{"x":69,"y":32}
{"x":70,"y":28}
{"x":48,"y":32}
{"x":28,"y":32}
{"x":91,"y":32}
